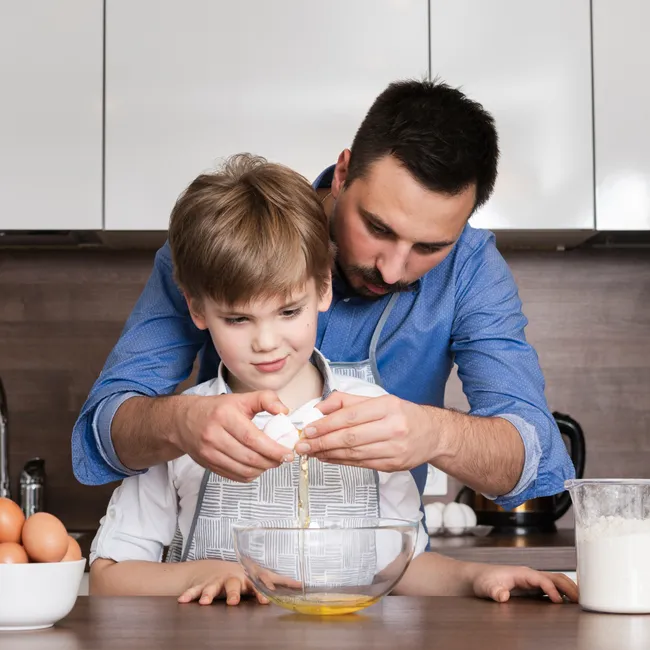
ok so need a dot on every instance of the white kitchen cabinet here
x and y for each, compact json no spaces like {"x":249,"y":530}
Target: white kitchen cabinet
{"x":51,"y":115}
{"x":529,"y":64}
{"x":621,"y":110}
{"x":188,"y":83}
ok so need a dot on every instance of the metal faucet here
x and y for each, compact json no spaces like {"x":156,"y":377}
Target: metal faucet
{"x":5,"y":490}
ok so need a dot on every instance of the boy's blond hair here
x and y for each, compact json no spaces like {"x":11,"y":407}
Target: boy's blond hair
{"x":252,"y":229}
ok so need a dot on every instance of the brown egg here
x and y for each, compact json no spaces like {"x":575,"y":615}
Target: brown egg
{"x":45,"y":538}
{"x":11,"y":521}
{"x":74,"y":551}
{"x":12,"y":553}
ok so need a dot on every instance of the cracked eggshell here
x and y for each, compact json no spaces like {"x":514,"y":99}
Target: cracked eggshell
{"x":281,"y":429}
{"x":310,"y":416}
{"x":289,"y":440}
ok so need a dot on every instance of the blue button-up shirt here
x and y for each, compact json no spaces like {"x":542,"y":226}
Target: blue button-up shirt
{"x":465,"y":311}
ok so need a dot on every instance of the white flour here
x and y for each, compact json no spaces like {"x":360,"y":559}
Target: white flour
{"x":614,"y":565}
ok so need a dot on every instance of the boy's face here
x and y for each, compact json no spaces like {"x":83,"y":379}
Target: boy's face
{"x":267,"y":342}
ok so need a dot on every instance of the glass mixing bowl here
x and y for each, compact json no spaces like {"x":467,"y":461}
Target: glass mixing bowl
{"x":336,"y":566}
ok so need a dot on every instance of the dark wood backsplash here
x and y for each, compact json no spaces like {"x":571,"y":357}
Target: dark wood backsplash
{"x":61,"y":311}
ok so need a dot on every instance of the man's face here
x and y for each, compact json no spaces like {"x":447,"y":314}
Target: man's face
{"x":389,"y":229}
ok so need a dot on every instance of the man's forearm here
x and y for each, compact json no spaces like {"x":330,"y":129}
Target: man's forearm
{"x":487,"y":454}
{"x":142,"y":427}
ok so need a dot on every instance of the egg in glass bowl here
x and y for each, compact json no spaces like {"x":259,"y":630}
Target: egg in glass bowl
{"x":333,"y":566}
{"x":41,"y":569}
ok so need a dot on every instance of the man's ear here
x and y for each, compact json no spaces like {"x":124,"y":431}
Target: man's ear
{"x":325,"y":299}
{"x":196,"y":311}
{"x":340,"y":173}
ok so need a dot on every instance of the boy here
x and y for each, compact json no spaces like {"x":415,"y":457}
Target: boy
{"x":250,"y":252}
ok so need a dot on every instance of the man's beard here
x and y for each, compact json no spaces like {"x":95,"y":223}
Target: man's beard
{"x":369,"y":276}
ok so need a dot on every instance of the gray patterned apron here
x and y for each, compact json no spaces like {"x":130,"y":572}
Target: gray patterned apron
{"x":335,"y":491}
{"x":367,"y":369}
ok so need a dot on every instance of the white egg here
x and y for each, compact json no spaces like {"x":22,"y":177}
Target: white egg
{"x":433,"y":518}
{"x":470,"y":515}
{"x":439,"y":506}
{"x":453,"y":518}
{"x":281,"y":429}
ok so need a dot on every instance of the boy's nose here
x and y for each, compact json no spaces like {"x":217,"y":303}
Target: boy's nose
{"x":265,"y":339}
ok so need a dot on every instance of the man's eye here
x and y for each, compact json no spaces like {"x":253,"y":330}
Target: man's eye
{"x":236,"y":321}
{"x":376,"y":230}
{"x":426,"y":250}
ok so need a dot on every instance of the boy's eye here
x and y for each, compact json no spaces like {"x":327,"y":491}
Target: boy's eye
{"x":236,"y":321}
{"x":292,"y":313}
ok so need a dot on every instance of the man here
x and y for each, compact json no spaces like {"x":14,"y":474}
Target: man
{"x":416,"y":289}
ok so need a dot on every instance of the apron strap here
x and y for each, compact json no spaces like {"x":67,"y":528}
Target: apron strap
{"x":372,"y":352}
{"x":195,"y":518}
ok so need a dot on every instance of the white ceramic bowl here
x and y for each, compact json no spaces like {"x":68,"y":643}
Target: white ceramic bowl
{"x":34,"y":596}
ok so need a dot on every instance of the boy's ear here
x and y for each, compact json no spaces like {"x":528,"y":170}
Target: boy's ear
{"x":325,"y":299}
{"x":196,"y":311}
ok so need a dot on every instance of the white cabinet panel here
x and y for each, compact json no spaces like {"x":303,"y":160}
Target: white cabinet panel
{"x":529,"y":64}
{"x":190,"y":82}
{"x":621,"y":109}
{"x":51,"y":115}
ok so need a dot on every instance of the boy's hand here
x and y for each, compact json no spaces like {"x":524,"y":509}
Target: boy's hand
{"x":217,"y":432}
{"x":219,"y":579}
{"x":497,"y":583}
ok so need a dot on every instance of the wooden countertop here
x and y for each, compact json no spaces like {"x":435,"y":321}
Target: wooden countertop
{"x":396,"y":622}
{"x":546,"y":552}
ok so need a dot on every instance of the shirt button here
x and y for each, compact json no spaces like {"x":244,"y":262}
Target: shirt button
{"x":346,"y":300}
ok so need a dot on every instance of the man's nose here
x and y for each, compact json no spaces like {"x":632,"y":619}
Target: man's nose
{"x":392,"y":262}
{"x":265,"y":338}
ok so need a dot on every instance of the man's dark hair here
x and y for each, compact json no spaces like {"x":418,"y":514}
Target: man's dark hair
{"x":445,"y":140}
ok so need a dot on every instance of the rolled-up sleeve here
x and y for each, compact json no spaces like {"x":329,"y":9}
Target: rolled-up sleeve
{"x":500,"y":371}
{"x":102,"y":421}
{"x":154,"y":353}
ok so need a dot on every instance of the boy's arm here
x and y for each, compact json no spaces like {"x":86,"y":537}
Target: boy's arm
{"x":142,"y":578}
{"x":431,"y":574}
{"x":140,"y":521}
{"x":202,"y":580}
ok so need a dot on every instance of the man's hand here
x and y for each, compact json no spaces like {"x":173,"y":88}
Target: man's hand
{"x":389,"y":434}
{"x":217,"y":432}
{"x":382,"y":433}
{"x":499,"y":582}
